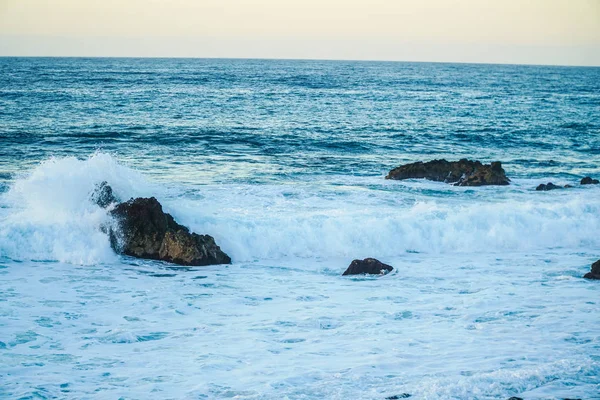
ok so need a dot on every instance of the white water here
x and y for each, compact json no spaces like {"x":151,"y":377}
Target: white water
{"x":486,"y":301}
{"x":48,"y":216}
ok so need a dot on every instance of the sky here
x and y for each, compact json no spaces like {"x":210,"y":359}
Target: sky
{"x":561,"y":32}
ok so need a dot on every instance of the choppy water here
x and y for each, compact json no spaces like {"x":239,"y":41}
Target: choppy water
{"x":283,"y":163}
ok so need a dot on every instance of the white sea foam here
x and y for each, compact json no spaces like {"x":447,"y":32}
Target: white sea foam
{"x":251,"y":232}
{"x":455,"y":326}
{"x":48,"y":215}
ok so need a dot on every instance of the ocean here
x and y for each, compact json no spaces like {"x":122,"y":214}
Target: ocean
{"x":283,"y":163}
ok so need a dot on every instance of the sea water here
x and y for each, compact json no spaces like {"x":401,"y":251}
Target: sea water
{"x":283,"y":162}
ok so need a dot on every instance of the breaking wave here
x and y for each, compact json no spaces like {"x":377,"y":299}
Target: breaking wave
{"x":46,"y":215}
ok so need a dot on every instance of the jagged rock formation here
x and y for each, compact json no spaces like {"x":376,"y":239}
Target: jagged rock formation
{"x":461,"y":173}
{"x":143,"y":230}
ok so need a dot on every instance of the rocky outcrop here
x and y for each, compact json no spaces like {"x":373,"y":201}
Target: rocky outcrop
{"x":461,"y":173}
{"x":589,"y":181}
{"x":595,"y":272}
{"x":142,"y":229}
{"x":368,"y":266}
{"x":549,"y":186}
{"x":103,"y":195}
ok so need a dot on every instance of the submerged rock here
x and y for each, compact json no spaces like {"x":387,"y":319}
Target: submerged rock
{"x":399,"y":396}
{"x":103,"y":195}
{"x":595,"y":272}
{"x":462,"y":173}
{"x":368,"y":266}
{"x":143,"y":230}
{"x":589,"y":181}
{"x":549,"y":186}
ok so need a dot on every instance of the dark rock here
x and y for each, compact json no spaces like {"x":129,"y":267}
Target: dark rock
{"x":589,"y":181}
{"x":462,"y":173}
{"x":595,"y":272}
{"x":103,"y":195}
{"x":368,"y":266}
{"x":515,"y":398}
{"x":548,"y":186}
{"x":492,"y":174}
{"x":399,"y":396}
{"x":143,"y":230}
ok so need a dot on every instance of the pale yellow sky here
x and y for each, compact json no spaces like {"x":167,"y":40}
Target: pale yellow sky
{"x":506,"y":31}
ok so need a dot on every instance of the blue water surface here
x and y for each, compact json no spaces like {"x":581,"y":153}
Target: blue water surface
{"x":268,"y":120}
{"x":283,"y":163}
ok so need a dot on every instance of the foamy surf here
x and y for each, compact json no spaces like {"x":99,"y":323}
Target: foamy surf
{"x":48,"y":215}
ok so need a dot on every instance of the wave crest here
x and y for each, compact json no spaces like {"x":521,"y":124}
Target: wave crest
{"x":47,"y":215}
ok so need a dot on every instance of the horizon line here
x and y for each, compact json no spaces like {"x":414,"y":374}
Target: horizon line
{"x":309,"y":59}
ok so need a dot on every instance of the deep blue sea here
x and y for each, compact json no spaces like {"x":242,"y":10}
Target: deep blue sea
{"x":283,"y":162}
